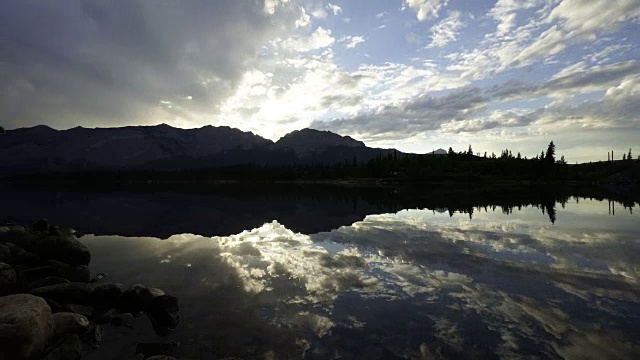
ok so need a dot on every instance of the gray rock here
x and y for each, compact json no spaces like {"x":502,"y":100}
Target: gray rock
{"x":5,"y":253}
{"x":93,"y":335}
{"x":65,"y":248}
{"x":69,"y":323}
{"x":106,"y":296}
{"x":67,"y":348}
{"x":29,"y":274}
{"x":57,"y":306}
{"x":164,"y":313}
{"x":79,"y":273}
{"x":50,"y":280}
{"x":70,"y":293}
{"x":135,"y":299}
{"x":8,"y":279}
{"x":20,"y":256}
{"x":156,"y":349}
{"x":26,"y":324}
{"x":113,"y":317}
{"x":161,"y":357}
{"x":18,"y":235}
{"x":85,"y":310}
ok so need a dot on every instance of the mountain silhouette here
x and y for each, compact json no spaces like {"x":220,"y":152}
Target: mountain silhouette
{"x":163,"y":147}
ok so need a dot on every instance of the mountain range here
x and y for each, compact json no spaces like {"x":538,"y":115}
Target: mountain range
{"x":163,"y":147}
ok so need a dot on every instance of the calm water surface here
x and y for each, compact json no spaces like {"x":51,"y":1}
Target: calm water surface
{"x":501,"y":283}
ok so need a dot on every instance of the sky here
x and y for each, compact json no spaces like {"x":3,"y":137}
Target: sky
{"x":415,"y":75}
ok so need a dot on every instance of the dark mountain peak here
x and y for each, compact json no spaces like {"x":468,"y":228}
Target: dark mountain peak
{"x":305,"y":141}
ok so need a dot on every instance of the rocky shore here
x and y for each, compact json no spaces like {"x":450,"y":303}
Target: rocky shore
{"x":51,"y":305}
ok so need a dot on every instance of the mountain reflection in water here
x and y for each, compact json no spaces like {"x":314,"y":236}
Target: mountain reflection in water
{"x":406,"y":284}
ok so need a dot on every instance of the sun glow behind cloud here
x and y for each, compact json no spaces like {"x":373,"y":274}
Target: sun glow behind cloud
{"x":431,"y":73}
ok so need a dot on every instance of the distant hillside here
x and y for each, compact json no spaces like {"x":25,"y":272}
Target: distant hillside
{"x":163,"y":147}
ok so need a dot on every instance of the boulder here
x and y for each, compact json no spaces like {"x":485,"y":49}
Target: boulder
{"x":69,"y":323}
{"x":29,"y":274}
{"x":20,"y":256}
{"x":135,"y":299}
{"x":156,"y":349}
{"x":163,"y":311}
{"x":69,"y":293}
{"x":57,"y":306}
{"x":8,"y":279}
{"x":5,"y":253}
{"x":26,"y":324}
{"x":65,"y":248}
{"x":18,"y":235}
{"x":79,"y":273}
{"x":67,"y":348}
{"x":50,"y":280}
{"x":161,"y":357}
{"x":105,"y":296}
{"x":93,"y":335}
{"x":113,"y":317}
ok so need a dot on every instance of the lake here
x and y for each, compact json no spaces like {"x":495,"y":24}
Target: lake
{"x":346,"y":273}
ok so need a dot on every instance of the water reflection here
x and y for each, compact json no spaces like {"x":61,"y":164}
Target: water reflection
{"x":227,"y":210}
{"x":408,"y":284}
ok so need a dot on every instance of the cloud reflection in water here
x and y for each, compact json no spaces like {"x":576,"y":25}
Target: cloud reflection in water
{"x":422,"y":284}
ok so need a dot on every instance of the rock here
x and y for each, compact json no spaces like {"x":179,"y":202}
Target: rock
{"x":8,"y":279}
{"x":27,"y":274}
{"x":69,"y":323}
{"x":69,"y":293}
{"x":155,"y":292}
{"x":65,"y":248}
{"x":105,"y":296}
{"x":93,"y":335}
{"x":50,"y":280}
{"x":67,"y":348}
{"x":163,"y":311}
{"x":84,"y":310}
{"x":41,"y":225}
{"x":98,"y":277}
{"x":135,"y":299}
{"x":57,"y":306}
{"x":5,"y":253}
{"x":20,"y":256}
{"x":161,"y":357}
{"x":113,"y":317}
{"x":18,"y":235}
{"x":156,"y":349}
{"x":80,"y":273}
{"x":26,"y":324}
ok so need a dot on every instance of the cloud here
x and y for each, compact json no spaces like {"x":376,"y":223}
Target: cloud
{"x":335,"y":9}
{"x":101,"y":63}
{"x":352,"y":41}
{"x":446,"y":30}
{"x":320,"y":38}
{"x":426,"y":9}
{"x":411,"y":116}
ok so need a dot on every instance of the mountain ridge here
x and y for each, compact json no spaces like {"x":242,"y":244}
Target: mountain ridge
{"x":163,"y":147}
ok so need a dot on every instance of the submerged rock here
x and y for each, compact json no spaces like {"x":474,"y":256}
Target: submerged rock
{"x":8,"y":279}
{"x":135,"y":299}
{"x":105,"y":296}
{"x":26,"y":324}
{"x":163,"y":311}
